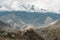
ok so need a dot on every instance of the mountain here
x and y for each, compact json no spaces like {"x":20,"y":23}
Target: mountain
{"x":4,"y":26}
{"x":22,"y":19}
{"x":41,"y":23}
{"x":48,"y":20}
{"x":49,"y":32}
{"x":54,"y":25}
{"x":30,"y":5}
{"x":22,"y":7}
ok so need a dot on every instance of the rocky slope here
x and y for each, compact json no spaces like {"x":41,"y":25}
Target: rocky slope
{"x":50,"y":32}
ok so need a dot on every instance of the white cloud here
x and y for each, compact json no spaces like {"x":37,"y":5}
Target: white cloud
{"x":3,"y":9}
{"x":15,"y":6}
{"x":50,"y":5}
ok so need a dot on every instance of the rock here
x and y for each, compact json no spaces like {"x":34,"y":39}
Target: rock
{"x":27,"y":35}
{"x":32,"y":35}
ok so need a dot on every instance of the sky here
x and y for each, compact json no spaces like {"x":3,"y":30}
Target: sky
{"x":25,"y":5}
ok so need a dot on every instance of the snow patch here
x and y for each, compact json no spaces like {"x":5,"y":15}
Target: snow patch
{"x":31,"y":5}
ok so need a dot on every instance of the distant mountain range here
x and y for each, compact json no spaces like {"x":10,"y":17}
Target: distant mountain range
{"x":27,"y":8}
{"x":24,"y":8}
{"x":22,"y":19}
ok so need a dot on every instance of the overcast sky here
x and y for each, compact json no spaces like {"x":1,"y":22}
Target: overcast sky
{"x":51,"y":5}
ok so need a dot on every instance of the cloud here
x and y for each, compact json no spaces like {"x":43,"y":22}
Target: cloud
{"x":15,"y":6}
{"x":22,"y":5}
{"x":3,"y":9}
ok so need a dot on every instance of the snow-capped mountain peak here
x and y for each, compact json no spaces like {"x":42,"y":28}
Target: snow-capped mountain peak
{"x":30,"y":5}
